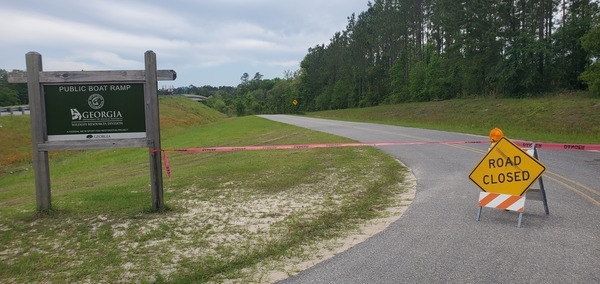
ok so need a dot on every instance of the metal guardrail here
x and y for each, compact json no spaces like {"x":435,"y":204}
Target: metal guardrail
{"x":14,"y":110}
{"x":197,"y":98}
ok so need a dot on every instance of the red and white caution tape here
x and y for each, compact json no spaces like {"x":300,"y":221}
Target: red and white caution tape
{"x":556,"y":146}
{"x":559,"y":146}
{"x":313,"y":146}
{"x":526,"y":144}
{"x":296,"y":146}
{"x":167,"y":167}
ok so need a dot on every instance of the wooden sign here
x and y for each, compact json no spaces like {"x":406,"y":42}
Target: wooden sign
{"x":78,"y":110}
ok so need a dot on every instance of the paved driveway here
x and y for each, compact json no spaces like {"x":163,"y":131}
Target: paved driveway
{"x":438,"y":239}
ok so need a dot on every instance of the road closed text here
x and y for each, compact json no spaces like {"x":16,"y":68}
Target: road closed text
{"x":507,"y":174}
{"x":507,"y":169}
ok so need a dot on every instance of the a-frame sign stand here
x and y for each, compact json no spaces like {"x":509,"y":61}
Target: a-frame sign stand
{"x":82,"y":126}
{"x":537,"y":193}
{"x":505,"y":175}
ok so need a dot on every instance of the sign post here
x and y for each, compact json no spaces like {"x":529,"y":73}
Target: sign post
{"x":41,"y":166}
{"x":153,"y":131}
{"x":79,"y":110}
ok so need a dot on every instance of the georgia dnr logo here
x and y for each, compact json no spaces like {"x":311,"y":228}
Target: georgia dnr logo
{"x":96,"y":101}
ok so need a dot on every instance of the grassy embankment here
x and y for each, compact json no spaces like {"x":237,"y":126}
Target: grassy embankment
{"x":572,"y":118}
{"x":231,"y":215}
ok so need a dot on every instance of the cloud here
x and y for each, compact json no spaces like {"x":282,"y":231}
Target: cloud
{"x":225,"y":37}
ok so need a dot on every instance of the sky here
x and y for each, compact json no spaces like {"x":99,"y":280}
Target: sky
{"x":206,"y":42}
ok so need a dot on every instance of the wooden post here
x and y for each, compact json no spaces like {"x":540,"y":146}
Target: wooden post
{"x":38,"y":131}
{"x":153,"y":130}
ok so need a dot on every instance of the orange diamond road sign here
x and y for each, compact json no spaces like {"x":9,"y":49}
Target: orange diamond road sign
{"x":506,"y":169}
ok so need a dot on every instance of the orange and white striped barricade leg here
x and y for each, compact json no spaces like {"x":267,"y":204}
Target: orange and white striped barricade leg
{"x":501,"y":201}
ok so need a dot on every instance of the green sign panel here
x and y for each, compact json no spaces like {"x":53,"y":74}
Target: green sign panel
{"x":95,"y":111}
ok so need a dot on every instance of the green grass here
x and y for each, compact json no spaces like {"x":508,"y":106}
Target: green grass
{"x":15,"y":141}
{"x":228,"y":215}
{"x":567,"y":118}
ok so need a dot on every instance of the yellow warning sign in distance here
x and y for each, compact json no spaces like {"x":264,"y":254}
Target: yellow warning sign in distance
{"x":506,"y":169}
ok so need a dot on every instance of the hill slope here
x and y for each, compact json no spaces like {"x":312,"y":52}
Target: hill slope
{"x":176,"y":113}
{"x":566,"y":118}
{"x":233,"y":215}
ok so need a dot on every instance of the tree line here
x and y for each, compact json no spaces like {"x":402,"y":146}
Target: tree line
{"x":421,"y":50}
{"x":12,"y":94}
{"x":252,"y":96}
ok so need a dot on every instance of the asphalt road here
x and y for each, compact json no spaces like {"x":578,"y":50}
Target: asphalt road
{"x":439,"y":240}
